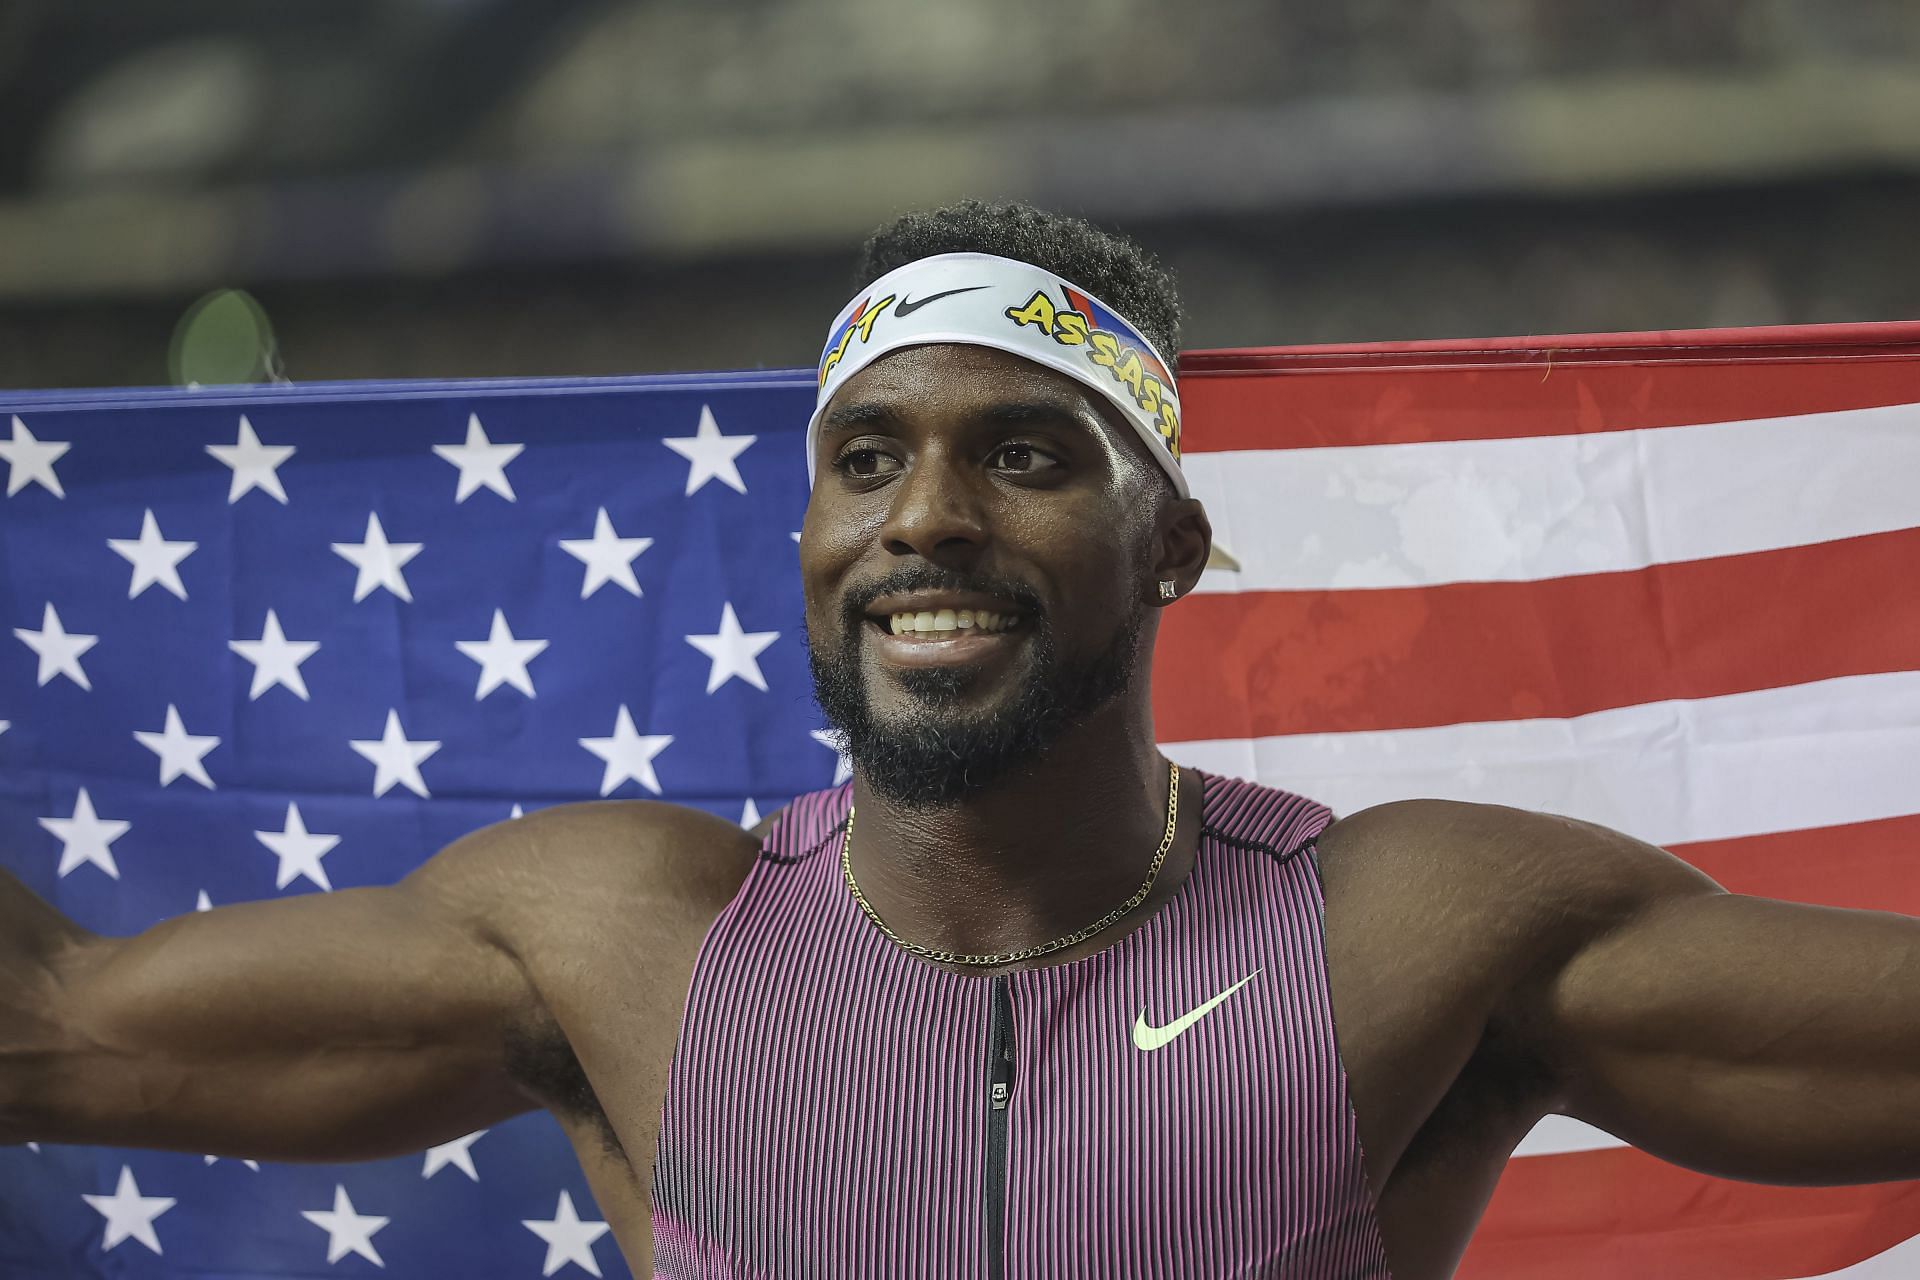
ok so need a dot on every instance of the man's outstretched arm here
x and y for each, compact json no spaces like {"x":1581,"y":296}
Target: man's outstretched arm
{"x":342,"y":1026}
{"x":1744,"y":1037}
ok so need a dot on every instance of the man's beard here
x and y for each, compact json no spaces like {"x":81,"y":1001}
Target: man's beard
{"x":935,"y":755}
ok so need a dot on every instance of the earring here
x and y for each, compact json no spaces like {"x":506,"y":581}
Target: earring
{"x":1167,"y":591}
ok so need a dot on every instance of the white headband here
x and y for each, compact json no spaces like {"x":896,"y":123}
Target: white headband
{"x":986,"y":301}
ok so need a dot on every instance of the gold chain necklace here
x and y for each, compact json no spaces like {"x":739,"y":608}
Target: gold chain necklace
{"x":1025,"y":953}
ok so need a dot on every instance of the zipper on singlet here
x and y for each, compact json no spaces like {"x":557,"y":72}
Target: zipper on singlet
{"x":999,"y":1089}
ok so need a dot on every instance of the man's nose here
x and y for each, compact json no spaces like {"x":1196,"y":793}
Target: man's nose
{"x":936,"y":509}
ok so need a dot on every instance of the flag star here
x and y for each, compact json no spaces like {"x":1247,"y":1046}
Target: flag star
{"x":275,"y":659}
{"x":711,"y":454}
{"x":129,"y":1214}
{"x":59,"y":649}
{"x":734,"y":652}
{"x":180,"y":752}
{"x":30,"y":461}
{"x":86,"y":837}
{"x":347,"y":1231}
{"x":204,"y":903}
{"x":842,"y":767}
{"x":502,"y":659}
{"x":481,"y":461}
{"x":628,"y":754}
{"x":299,"y":851}
{"x":608,"y":556}
{"x":395,"y":759}
{"x":154,"y":559}
{"x":254,"y":464}
{"x":749,"y":816}
{"x":251,"y":1164}
{"x":458,"y":1153}
{"x":379,"y":561}
{"x":568,"y":1238}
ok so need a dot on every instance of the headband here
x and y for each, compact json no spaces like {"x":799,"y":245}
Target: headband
{"x":986,"y":301}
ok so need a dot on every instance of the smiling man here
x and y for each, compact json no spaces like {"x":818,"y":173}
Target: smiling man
{"x":1024,"y":998}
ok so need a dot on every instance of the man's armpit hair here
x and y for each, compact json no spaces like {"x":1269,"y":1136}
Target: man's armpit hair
{"x":545,"y":1065}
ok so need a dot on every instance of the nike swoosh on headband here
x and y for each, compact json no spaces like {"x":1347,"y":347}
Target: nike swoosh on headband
{"x":906,"y":307}
{"x":1148,"y":1038}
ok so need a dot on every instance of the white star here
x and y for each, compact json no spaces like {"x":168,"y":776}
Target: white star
{"x":204,"y":903}
{"x":396,"y":759}
{"x":347,"y":1231}
{"x":568,"y":1239}
{"x":628,"y":754}
{"x":458,"y":1153}
{"x":517,"y":812}
{"x":153,"y":558}
{"x":608,"y":556}
{"x":843,"y":767}
{"x":298,"y":850}
{"x":379,"y":561}
{"x":711,"y":454}
{"x":502,"y":659}
{"x":85,"y":836}
{"x":254,"y":464}
{"x":31,"y":461}
{"x":59,"y":650}
{"x":129,"y":1214}
{"x":734,"y":652}
{"x":180,"y":752}
{"x":481,"y":461}
{"x":251,"y":1164}
{"x":275,"y":659}
{"x":749,"y":816}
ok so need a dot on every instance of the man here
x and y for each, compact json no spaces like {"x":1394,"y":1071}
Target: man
{"x":1022,"y":998}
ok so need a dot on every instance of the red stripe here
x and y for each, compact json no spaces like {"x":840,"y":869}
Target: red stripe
{"x":1257,"y":664}
{"x":1289,"y":400}
{"x":1864,"y":864}
{"x":1602,"y":1215}
{"x":1791,"y":341}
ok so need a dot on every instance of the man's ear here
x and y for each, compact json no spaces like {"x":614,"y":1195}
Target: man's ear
{"x":1183,"y":539}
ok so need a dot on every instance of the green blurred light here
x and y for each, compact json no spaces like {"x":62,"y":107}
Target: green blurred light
{"x":225,"y":337}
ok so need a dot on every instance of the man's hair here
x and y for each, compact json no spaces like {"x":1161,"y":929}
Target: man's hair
{"x":1112,"y":268}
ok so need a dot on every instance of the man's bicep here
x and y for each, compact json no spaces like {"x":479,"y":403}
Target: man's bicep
{"x":1747,"y":1037}
{"x":320,"y":1026}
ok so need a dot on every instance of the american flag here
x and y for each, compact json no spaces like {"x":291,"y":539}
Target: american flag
{"x":290,"y":640}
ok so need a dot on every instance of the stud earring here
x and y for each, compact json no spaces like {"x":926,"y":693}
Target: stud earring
{"x":1167,"y":591}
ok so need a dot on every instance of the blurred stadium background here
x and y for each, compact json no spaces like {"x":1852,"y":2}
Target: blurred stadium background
{"x":443,"y":188}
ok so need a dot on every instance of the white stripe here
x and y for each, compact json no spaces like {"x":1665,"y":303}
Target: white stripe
{"x":1902,"y":1262}
{"x":1809,"y":755}
{"x":1397,"y":515}
{"x":1559,"y":1135}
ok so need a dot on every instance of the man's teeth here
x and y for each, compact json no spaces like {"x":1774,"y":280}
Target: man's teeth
{"x":950,"y":620}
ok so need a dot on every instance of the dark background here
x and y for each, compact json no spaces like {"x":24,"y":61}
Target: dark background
{"x":434,"y":188}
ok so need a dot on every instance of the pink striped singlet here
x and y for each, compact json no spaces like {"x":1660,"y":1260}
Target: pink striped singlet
{"x":838,"y":1107}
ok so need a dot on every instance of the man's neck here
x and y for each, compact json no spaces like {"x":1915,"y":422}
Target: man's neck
{"x":1037,"y":855}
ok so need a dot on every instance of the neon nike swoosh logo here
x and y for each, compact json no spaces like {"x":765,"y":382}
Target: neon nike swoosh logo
{"x":906,"y":306}
{"x":1148,"y":1038}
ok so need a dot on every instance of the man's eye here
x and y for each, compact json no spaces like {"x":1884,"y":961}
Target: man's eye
{"x":854,"y":462}
{"x":1024,"y":457}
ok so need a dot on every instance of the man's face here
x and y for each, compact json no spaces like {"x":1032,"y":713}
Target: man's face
{"x":952,"y":476}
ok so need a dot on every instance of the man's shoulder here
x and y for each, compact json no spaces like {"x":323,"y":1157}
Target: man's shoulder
{"x":572,"y":860}
{"x":1518,"y":869}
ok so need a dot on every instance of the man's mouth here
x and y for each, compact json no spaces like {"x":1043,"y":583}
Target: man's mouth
{"x":948,"y":637}
{"x":946,"y":623}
